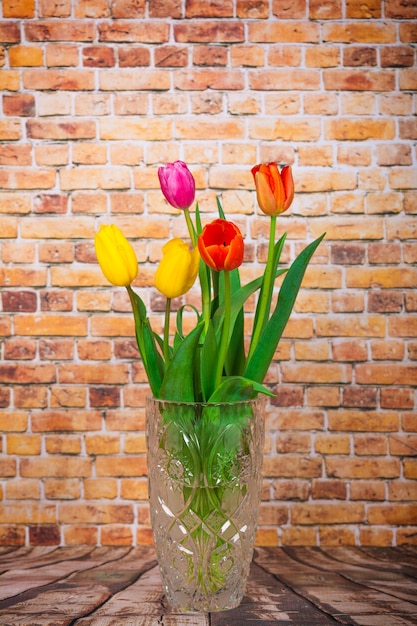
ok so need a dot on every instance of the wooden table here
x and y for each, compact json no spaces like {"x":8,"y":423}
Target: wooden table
{"x":84,"y":586}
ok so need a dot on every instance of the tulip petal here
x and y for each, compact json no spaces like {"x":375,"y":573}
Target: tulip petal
{"x":177,"y":270}
{"x":264,"y":194}
{"x":115,"y":255}
{"x":221,"y":245}
{"x":177,"y":184}
{"x":274,"y":189}
{"x":288,"y":182}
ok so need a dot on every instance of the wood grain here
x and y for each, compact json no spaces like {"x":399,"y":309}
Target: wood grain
{"x":300,"y":586}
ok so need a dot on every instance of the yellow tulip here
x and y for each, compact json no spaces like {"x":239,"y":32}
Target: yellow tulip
{"x":178,"y":268}
{"x":116,"y":256}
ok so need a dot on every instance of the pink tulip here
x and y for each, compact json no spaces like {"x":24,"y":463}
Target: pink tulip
{"x":177,"y":184}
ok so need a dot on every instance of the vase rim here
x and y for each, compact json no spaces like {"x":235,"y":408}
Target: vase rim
{"x":248,"y":401}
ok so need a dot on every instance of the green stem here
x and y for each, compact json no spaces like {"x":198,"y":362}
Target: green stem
{"x":266,"y":289}
{"x":203,"y":274}
{"x":205,"y":294}
{"x":166,"y":330}
{"x":190,"y":227}
{"x":225,"y":332}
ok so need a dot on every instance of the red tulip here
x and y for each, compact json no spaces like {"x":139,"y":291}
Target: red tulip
{"x":221,"y":245}
{"x":274,"y":189}
{"x":177,"y":184}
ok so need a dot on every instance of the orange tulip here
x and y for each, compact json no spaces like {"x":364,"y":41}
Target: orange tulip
{"x":274,"y":189}
{"x":221,"y":245}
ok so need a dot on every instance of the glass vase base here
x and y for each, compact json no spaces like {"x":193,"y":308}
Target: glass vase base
{"x":205,"y":479}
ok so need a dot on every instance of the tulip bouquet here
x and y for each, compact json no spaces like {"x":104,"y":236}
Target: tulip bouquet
{"x":212,"y":365}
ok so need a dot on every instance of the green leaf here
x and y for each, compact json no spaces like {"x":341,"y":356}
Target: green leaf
{"x":236,"y":357}
{"x":198,"y":224}
{"x":238,"y":300}
{"x":152,"y":360}
{"x":220,"y":208}
{"x":258,"y":365}
{"x":178,"y":383}
{"x":208,"y":358}
{"x":235,"y":388}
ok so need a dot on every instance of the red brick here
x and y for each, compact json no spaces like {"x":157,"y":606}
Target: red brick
{"x":143,"y":31}
{"x":23,"y":445}
{"x":45,"y":535}
{"x":337,"y":513}
{"x":117,"y":535}
{"x":24,"y":301}
{"x":328,"y":489}
{"x":283,"y":32}
{"x":387,"y":350}
{"x":128,"y":8}
{"x":80,"y":535}
{"x":348,"y":468}
{"x":61,"y":55}
{"x":332,"y":444}
{"x":61,"y":130}
{"x":392,"y":514}
{"x":9,"y":32}
{"x":72,"y":421}
{"x":287,"y":466}
{"x":291,"y":489}
{"x":406,"y":536}
{"x":22,"y":105}
{"x":206,"y":55}
{"x":339,"y":536}
{"x":360,"y":397}
{"x":68,"y":397}
{"x":277,"y":79}
{"x":209,"y":32}
{"x":95,"y":513}
{"x":348,"y":129}
{"x":403,"y":445}
{"x":299,"y":536}
{"x":325,"y":10}
{"x":400,"y":10}
{"x":352,"y":326}
{"x":365,"y":421}
{"x":59,"y":30}
{"x":379,"y":374}
{"x":28,"y":513}
{"x":383,"y":253}
{"x":357,"y":9}
{"x":359,"y":56}
{"x":134,"y":56}
{"x":385,"y":302}
{"x":354,"y":32}
{"x":54,"y":9}
{"x":16,"y":349}
{"x":98,"y":56}
{"x":19,"y":8}
{"x":397,"y":398}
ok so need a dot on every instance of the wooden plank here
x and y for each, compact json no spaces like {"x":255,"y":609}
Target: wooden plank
{"x":78,"y":593}
{"x":43,"y":555}
{"x":382,"y":592}
{"x":86,"y":586}
{"x":399,"y":558}
{"x":268,"y":601}
{"x":16,"y":581}
{"x":141,"y":603}
{"x":345,"y":600}
{"x":390,"y":577}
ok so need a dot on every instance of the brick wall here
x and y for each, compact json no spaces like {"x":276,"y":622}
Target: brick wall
{"x":95,"y":95}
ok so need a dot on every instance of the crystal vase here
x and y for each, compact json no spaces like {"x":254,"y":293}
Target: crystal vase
{"x":205,"y":474}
